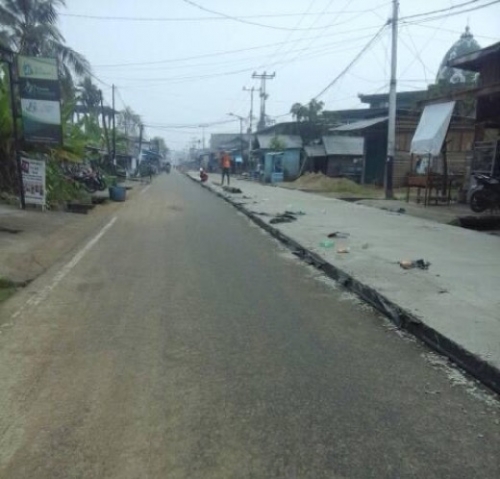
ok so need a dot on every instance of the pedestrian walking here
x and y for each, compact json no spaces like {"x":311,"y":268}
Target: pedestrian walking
{"x":226,"y":166}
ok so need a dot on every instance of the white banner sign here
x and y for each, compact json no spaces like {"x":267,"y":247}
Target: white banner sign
{"x":33,"y":181}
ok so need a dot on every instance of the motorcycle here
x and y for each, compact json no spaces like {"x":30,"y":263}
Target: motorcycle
{"x":91,"y":181}
{"x":486,"y":194}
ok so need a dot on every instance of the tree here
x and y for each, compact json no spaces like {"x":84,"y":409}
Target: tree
{"x":29,"y":27}
{"x":89,"y":96}
{"x":129,"y":122}
{"x":158,"y":144}
{"x":277,"y":144}
{"x":298,"y":111}
{"x":310,"y":112}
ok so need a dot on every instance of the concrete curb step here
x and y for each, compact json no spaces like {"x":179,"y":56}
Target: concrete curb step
{"x":474,"y":365}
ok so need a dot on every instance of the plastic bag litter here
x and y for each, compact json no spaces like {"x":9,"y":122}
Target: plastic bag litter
{"x":338,"y":234}
{"x":418,"y":263}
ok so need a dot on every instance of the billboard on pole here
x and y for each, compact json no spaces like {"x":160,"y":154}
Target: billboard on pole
{"x":40,"y":94}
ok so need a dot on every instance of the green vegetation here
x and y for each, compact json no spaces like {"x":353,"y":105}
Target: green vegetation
{"x":312,"y":112}
{"x":277,"y":144}
{"x":30,"y":27}
{"x":7,"y":289}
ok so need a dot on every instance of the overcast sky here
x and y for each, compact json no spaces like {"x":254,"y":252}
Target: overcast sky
{"x":191,"y":71}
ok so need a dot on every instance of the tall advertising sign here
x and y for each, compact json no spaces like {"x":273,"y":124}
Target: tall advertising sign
{"x":40,"y":94}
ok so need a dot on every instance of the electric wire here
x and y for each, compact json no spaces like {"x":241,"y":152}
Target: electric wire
{"x":353,"y":61}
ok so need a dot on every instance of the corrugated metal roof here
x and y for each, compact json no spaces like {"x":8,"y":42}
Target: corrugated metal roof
{"x":360,"y":125}
{"x":313,"y":151}
{"x":218,"y":140}
{"x":289,"y":141}
{"x":344,"y":145}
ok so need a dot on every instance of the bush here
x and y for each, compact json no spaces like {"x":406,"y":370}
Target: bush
{"x":61,"y":189}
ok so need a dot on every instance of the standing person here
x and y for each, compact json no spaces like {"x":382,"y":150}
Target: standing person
{"x":226,"y":166}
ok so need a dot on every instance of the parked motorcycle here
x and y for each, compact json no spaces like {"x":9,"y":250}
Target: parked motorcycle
{"x":90,"y":180}
{"x":486,"y":194}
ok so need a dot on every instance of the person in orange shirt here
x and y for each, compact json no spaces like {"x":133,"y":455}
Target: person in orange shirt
{"x":226,"y":166}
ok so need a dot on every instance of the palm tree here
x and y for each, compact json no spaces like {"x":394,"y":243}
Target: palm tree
{"x":298,"y":111}
{"x":310,"y":112}
{"x":89,"y":96}
{"x":29,"y":27}
{"x":129,"y":122}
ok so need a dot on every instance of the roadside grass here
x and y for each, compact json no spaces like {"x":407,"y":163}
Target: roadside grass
{"x":7,"y":289}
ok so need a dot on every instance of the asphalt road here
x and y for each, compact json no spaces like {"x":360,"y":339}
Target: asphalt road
{"x":182,"y":342}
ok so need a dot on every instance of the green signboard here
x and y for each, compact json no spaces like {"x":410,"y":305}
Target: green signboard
{"x":41,"y":121}
{"x":37,"y":68}
{"x":39,"y":90}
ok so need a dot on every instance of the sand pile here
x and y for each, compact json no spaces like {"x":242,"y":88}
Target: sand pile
{"x":321,"y":182}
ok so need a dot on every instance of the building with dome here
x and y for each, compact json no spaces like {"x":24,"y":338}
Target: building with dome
{"x":463,"y":46}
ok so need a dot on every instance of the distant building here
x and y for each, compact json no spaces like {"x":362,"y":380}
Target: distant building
{"x":463,"y":46}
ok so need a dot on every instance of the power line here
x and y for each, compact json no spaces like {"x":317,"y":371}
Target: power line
{"x":355,"y":59}
{"x":190,"y":125}
{"x":453,"y":7}
{"x":323,"y":29}
{"x":226,"y":52}
{"x":289,"y":34}
{"x":241,"y":20}
{"x":449,"y":30}
{"x":452,"y":14}
{"x":319,"y":52}
{"x":418,"y":53}
{"x":195,"y":19}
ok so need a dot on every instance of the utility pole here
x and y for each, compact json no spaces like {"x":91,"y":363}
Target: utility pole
{"x":141,"y":131}
{"x":15,"y":133}
{"x":250,"y":122}
{"x":251,"y":90}
{"x":106,"y":136}
{"x":203,"y":135}
{"x":113,"y":123}
{"x":263,"y":96}
{"x":391,"y":133}
{"x":241,"y":119}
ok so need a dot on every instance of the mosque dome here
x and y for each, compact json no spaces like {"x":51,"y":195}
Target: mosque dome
{"x":464,"y":45}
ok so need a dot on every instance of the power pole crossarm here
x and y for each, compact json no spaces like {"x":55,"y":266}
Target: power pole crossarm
{"x":263,"y":96}
{"x":391,"y":133}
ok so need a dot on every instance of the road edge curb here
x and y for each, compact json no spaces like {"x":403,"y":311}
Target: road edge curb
{"x":477,"y":367}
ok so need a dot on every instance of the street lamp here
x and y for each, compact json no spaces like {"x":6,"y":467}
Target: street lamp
{"x":242,"y":119}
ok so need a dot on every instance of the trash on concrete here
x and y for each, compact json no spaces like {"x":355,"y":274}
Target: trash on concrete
{"x":338,"y":234}
{"x":343,"y":250}
{"x":294,"y":213}
{"x":400,"y":211}
{"x":231,"y":189}
{"x":327,"y":244}
{"x":283,"y":218}
{"x":261,"y":213}
{"x":410,"y":264}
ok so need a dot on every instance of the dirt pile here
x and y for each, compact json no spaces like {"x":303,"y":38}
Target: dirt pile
{"x":323,"y":183}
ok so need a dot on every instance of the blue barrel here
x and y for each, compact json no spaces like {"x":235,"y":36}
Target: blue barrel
{"x":117,"y":193}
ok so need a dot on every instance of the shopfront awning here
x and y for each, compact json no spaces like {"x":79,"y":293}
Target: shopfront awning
{"x":360,"y":125}
{"x":432,"y":128}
